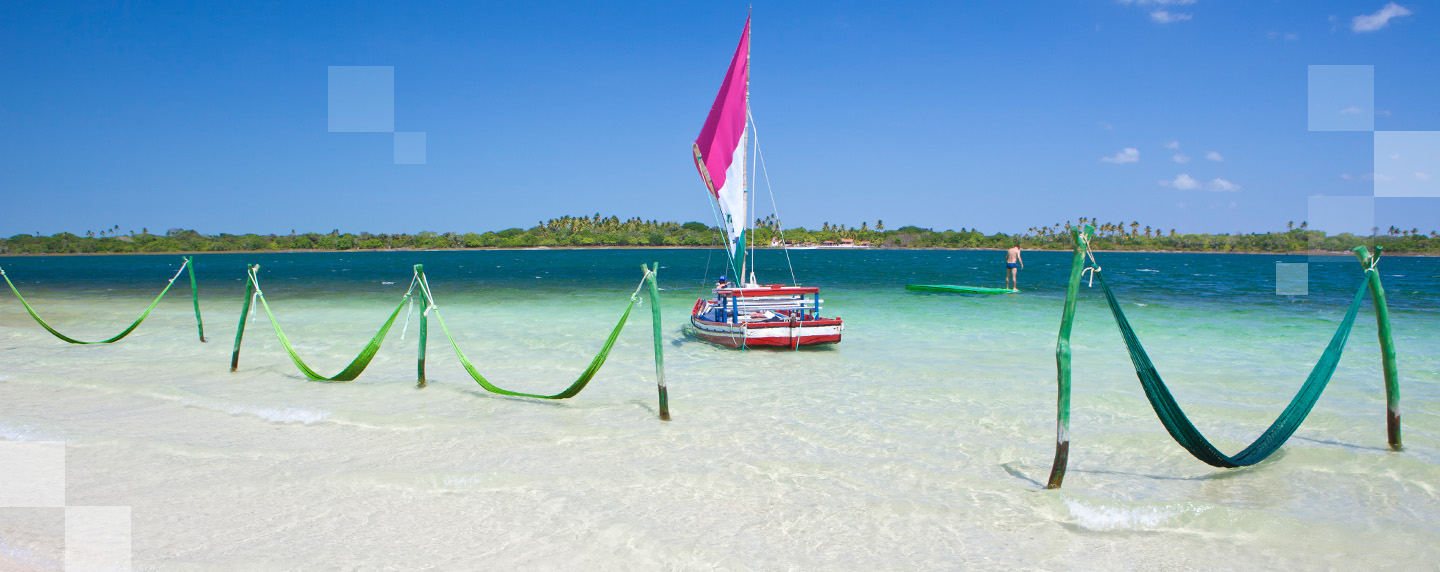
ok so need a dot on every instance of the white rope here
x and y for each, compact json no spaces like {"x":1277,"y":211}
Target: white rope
{"x":1092,"y":270}
{"x":256,"y":296}
{"x":177,"y":272}
{"x":636,"y":295}
{"x":429,"y":298}
{"x":411,"y":308}
{"x":773,"y":206}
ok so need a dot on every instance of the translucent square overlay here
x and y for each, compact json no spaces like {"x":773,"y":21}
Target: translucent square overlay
{"x":97,"y":538}
{"x":1292,"y":279}
{"x":1342,"y":98}
{"x":32,"y":538}
{"x":1344,"y":214}
{"x":362,"y":99}
{"x":1407,"y":163}
{"x":32,"y":473}
{"x":409,"y":147}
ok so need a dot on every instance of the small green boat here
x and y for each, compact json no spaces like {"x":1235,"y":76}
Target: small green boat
{"x":952,"y":289}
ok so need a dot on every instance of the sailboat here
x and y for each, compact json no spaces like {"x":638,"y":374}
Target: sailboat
{"x":746,"y":313}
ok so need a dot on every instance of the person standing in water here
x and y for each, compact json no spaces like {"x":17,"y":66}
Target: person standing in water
{"x":1013,"y":264}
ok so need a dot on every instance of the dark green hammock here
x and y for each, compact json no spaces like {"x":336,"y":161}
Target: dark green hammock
{"x":1185,"y":432}
{"x":194,"y":296}
{"x":1169,"y":412}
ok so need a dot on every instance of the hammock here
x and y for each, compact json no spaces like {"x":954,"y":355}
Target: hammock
{"x":1185,"y":432}
{"x":420,"y":283}
{"x":1173,"y":417}
{"x":194,"y":295}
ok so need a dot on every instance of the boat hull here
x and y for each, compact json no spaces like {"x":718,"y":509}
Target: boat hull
{"x":769,"y":334}
{"x":792,"y":327}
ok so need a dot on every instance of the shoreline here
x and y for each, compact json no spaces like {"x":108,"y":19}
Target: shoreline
{"x":568,"y":248}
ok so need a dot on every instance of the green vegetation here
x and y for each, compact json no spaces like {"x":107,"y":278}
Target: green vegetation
{"x":600,"y":231}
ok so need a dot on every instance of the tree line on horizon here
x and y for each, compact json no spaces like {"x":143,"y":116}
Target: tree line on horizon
{"x":598,"y":231}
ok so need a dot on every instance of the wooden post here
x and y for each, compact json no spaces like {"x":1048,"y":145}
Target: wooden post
{"x":1387,"y":347}
{"x":425,"y":305}
{"x":659,"y":342}
{"x":244,"y":311}
{"x":195,"y":296}
{"x":1062,"y":358}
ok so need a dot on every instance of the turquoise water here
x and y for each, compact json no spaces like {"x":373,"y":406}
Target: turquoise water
{"x":920,"y":442}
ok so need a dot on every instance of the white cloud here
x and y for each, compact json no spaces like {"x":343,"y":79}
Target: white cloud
{"x":1422,"y":176}
{"x":1172,"y":144}
{"x":1346,"y":177}
{"x":1126,"y":155}
{"x":1384,"y":112}
{"x":1181,"y":158}
{"x":1213,"y":156}
{"x":1292,"y":36}
{"x":1223,"y":186}
{"x":1352,"y":110}
{"x":1166,"y":17}
{"x":1183,"y":182}
{"x":1106,"y":126}
{"x":1378,"y":20}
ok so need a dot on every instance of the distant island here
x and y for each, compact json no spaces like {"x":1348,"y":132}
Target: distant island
{"x":598,"y":231}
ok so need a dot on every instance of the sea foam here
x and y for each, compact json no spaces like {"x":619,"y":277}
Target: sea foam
{"x":1128,"y":517}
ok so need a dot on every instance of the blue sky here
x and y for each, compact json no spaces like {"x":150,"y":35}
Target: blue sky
{"x":991,"y":115}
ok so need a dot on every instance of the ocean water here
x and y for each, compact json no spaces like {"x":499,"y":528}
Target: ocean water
{"x":922,"y":441}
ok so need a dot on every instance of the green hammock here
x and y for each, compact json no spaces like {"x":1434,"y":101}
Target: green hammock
{"x":194,"y":295}
{"x":1173,"y":418}
{"x":361,"y":361}
{"x":576,"y":386}
{"x":352,"y":371}
{"x":1185,"y":432}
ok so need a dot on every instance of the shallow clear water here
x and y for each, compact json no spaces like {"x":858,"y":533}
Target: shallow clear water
{"x":920,"y":442}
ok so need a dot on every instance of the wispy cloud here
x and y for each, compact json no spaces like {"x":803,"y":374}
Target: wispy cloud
{"x":1378,"y":20}
{"x":1223,"y":186}
{"x":1181,"y":158}
{"x":1167,"y":17}
{"x":1213,"y":156}
{"x":1160,"y":14}
{"x":1126,"y":155}
{"x":1172,"y":144}
{"x":1349,"y":110}
{"x":1182,"y":181}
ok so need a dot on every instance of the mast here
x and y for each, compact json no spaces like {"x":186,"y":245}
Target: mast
{"x":745,"y":177}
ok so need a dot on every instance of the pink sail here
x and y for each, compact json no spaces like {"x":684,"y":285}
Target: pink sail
{"x":726,"y":123}
{"x":720,"y":150}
